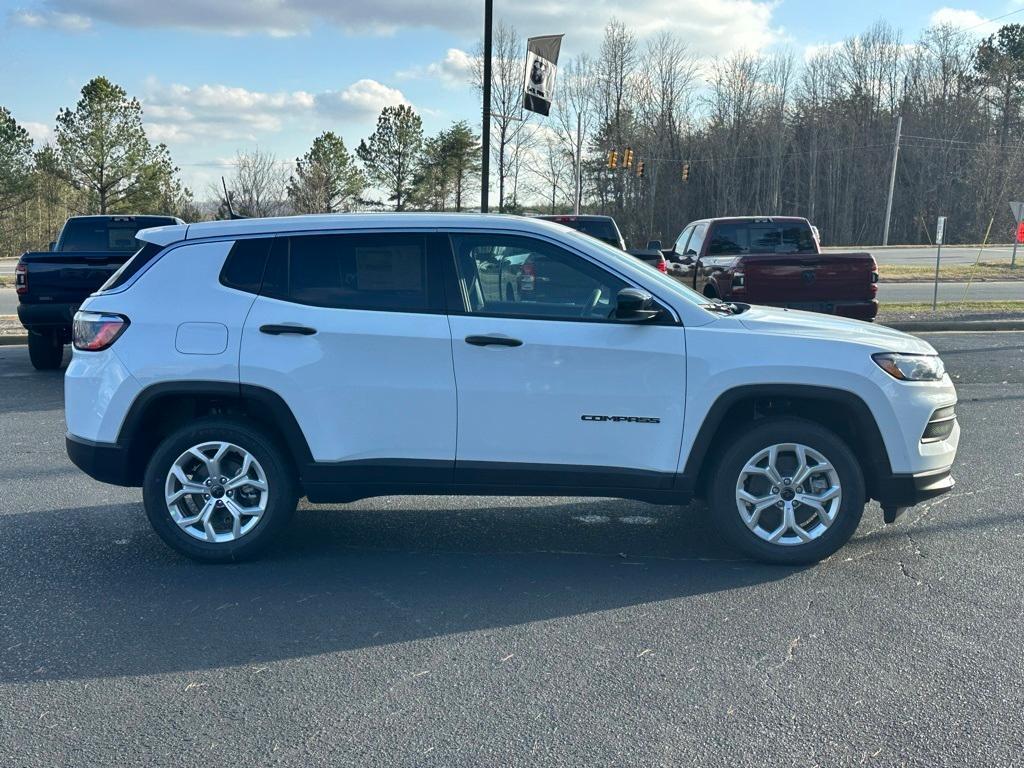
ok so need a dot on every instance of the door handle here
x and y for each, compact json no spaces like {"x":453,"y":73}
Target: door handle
{"x":277,"y":330}
{"x":497,"y":341}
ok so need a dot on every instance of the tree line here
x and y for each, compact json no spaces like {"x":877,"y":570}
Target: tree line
{"x":744,"y":134}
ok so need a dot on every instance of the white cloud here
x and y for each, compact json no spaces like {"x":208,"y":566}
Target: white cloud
{"x":955,"y":17}
{"x":178,"y":113}
{"x":40,"y":132}
{"x":364,"y":98}
{"x":710,"y":26}
{"x":453,"y":71}
{"x":38,"y":19}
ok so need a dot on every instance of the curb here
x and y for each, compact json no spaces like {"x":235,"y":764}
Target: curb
{"x":925,"y":326}
{"x":13,"y":341}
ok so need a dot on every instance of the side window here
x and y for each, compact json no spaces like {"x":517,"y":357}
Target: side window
{"x":243,"y":268}
{"x":680,"y":245}
{"x":693,"y":249}
{"x":350,"y":271}
{"x":523,"y":277}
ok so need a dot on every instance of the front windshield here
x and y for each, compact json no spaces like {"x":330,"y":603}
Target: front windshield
{"x":631,"y":262}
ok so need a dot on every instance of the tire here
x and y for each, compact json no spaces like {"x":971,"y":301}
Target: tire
{"x":844,"y":510}
{"x":45,"y":350}
{"x":255,"y":532}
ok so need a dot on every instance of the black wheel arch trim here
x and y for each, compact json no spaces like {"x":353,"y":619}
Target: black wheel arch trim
{"x":876,"y":469}
{"x":253,"y":399}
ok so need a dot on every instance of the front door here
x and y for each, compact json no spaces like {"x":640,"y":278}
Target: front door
{"x":550,"y":386}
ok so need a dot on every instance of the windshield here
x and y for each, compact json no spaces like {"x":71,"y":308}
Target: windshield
{"x":631,"y":262}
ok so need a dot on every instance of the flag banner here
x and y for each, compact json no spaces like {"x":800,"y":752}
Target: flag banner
{"x":541,"y":66}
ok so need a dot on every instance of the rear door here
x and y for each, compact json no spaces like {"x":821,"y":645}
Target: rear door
{"x":552,"y":389}
{"x":350,"y":330}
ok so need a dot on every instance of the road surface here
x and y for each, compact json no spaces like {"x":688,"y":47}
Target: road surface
{"x":519,"y":632}
{"x":926,"y":254}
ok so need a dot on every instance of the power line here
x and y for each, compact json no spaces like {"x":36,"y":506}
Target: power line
{"x":989,"y":21}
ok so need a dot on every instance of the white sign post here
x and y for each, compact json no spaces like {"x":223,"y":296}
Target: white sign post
{"x":1018,"y":214}
{"x":940,"y":230}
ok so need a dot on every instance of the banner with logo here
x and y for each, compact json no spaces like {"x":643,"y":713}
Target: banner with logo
{"x":541,"y":66}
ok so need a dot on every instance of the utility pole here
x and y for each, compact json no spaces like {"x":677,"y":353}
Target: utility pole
{"x":579,"y":162}
{"x":485,"y":138}
{"x":892,"y":179}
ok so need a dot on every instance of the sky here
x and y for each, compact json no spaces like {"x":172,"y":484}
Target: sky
{"x":218,"y":76}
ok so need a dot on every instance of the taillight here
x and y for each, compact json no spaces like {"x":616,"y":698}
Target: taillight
{"x":95,"y":331}
{"x":663,"y":266}
{"x":21,"y":278}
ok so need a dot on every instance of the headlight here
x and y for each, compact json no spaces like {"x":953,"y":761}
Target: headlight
{"x":911,"y":367}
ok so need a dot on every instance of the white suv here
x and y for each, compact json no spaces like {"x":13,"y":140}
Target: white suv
{"x":231,"y":367}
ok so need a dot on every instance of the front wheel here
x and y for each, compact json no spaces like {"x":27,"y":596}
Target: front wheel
{"x":788,"y":491}
{"x":219,"y":490}
{"x":45,"y":350}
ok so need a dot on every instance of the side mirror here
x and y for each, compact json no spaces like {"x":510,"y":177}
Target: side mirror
{"x":654,"y":245}
{"x":635,"y":306}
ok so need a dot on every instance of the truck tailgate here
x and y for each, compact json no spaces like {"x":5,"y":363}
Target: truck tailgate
{"x":67,"y":277}
{"x":810,"y":278}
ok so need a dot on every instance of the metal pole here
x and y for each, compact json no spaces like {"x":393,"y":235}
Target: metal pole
{"x":1016,"y":238}
{"x":935,"y":295}
{"x":579,"y":162}
{"x":485,"y":137}
{"x":892,"y":180}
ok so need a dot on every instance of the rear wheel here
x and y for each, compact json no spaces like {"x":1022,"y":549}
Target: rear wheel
{"x":788,"y":491}
{"x":219,"y":491}
{"x":45,"y":350}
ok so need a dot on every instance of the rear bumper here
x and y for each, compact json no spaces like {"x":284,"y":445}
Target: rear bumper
{"x":46,"y":315}
{"x":908,"y":490}
{"x":106,"y":462}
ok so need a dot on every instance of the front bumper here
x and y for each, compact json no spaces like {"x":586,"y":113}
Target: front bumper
{"x":898,"y":492}
{"x":106,"y":462}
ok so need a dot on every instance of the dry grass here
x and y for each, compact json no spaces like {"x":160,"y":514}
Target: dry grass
{"x":973,"y":307}
{"x":950,"y":273}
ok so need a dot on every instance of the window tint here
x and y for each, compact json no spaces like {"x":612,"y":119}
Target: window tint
{"x":383,"y":272}
{"x":243,"y":268}
{"x":697,"y":240}
{"x":740,"y":237}
{"x":522,"y":277}
{"x":133,"y":266}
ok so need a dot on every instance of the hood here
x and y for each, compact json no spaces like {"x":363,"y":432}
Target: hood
{"x":793,"y":322}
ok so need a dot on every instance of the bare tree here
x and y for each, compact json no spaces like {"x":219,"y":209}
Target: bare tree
{"x":258,"y":185}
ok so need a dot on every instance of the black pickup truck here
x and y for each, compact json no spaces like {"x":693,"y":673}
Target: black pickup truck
{"x":52,"y":284}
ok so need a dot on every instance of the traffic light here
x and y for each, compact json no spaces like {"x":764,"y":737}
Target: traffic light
{"x":686,"y":172}
{"x":627,"y":158}
{"x":613,"y":159}
{"x":640,"y":169}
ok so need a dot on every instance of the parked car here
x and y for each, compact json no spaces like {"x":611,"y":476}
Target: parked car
{"x":242,"y":364}
{"x":776,"y":261}
{"x":52,"y":284}
{"x":606,"y":230}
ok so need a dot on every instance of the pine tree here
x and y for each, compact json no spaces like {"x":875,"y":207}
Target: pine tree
{"x":391,"y":152}
{"x":326,"y":178}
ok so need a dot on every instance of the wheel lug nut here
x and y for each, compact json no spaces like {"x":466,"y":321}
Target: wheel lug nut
{"x":778,"y":504}
{"x":774,"y":489}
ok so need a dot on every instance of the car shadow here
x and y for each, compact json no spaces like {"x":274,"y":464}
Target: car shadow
{"x":91,"y":592}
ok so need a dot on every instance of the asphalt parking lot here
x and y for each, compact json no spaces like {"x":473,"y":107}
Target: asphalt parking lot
{"x":473,"y":632}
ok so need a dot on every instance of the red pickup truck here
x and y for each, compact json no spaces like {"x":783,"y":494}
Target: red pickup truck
{"x":774,"y":260}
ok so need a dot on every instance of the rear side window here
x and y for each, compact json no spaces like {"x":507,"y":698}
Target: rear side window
{"x":602,"y":229}
{"x":379,"y":272}
{"x":741,"y":237}
{"x":243,"y":268}
{"x":132,"y":267}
